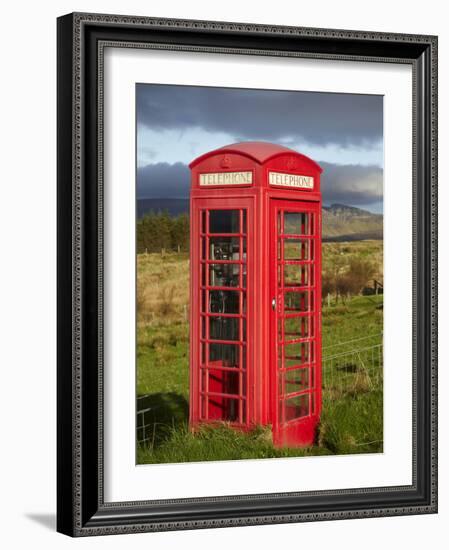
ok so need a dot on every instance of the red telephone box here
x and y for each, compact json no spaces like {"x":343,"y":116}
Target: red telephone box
{"x":255,"y":295}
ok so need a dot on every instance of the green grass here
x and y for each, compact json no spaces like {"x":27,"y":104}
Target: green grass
{"x":351,"y":420}
{"x":216,"y":443}
{"x":350,"y":425}
{"x":163,"y":359}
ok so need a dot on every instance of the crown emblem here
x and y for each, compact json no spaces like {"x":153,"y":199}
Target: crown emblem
{"x":225,"y":162}
{"x":291,"y":163}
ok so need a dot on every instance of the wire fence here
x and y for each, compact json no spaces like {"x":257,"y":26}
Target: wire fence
{"x":353,"y":366}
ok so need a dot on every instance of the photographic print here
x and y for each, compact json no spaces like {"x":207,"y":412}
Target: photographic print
{"x":235,"y":204}
{"x":259,"y":257}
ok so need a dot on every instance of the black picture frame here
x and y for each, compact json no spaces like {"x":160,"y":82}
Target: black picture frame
{"x":81,"y":509}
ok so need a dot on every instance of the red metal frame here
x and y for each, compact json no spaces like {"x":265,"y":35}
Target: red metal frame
{"x":243,"y":369}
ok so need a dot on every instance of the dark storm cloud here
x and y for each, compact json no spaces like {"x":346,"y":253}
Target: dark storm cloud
{"x":319,"y":118}
{"x":345,"y":184}
{"x":163,"y":180}
{"x":351,"y":184}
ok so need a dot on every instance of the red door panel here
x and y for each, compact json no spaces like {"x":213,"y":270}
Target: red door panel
{"x":295,"y":285}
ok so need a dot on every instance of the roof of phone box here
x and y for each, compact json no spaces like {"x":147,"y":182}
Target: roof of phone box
{"x":259,"y":151}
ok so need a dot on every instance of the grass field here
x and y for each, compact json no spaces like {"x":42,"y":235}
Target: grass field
{"x":351,"y":420}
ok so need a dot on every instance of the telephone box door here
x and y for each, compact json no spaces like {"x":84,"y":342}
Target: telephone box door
{"x":221,"y":257}
{"x":295,"y":287}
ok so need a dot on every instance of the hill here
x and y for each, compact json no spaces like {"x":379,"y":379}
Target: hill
{"x":348,"y":223}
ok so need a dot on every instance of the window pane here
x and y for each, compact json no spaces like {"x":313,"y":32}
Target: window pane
{"x":224,"y":221}
{"x":224,"y":248}
{"x":295,"y":380}
{"x":298,"y":354}
{"x":224,"y":328}
{"x":203,"y":248}
{"x":224,"y":274}
{"x":298,"y":327}
{"x":297,"y":223}
{"x":222,"y":408}
{"x":224,"y":355}
{"x":224,"y":301}
{"x":297,"y":301}
{"x":298,"y":249}
{"x":203,"y":221}
{"x":223,"y":382}
{"x":203,"y":326}
{"x":203,"y":353}
{"x":296,"y":407}
{"x":297,"y":275}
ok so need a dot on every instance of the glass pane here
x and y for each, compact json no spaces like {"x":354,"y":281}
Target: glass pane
{"x":224,"y":248}
{"x":224,"y":355}
{"x":224,"y":382}
{"x":222,"y":408}
{"x":298,"y":327}
{"x":203,"y":248}
{"x":224,"y":301}
{"x":244,"y":221}
{"x":203,"y":326}
{"x":297,"y":301}
{"x":203,"y":221}
{"x":298,"y":354}
{"x":297,"y":275}
{"x":298,"y":249}
{"x":224,"y":328}
{"x":224,"y":274}
{"x":295,"y":380}
{"x":297,"y":223}
{"x":224,"y":221}
{"x":203,"y":353}
{"x":296,"y":407}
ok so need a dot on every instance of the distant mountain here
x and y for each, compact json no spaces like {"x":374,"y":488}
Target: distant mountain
{"x":340,"y":222}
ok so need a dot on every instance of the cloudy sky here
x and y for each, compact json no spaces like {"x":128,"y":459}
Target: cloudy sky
{"x":342,"y":132}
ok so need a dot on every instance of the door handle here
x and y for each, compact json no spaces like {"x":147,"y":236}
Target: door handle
{"x":273,"y":304}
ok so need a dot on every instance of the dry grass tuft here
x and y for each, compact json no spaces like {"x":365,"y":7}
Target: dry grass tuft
{"x":162,"y":288}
